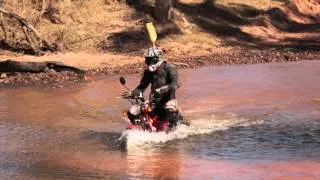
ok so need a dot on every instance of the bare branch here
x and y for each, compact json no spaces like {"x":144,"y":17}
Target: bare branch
{"x":4,"y":29}
{"x":25,"y":31}
{"x":24,"y":22}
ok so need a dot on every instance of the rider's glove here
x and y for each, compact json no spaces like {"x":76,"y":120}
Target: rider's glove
{"x":126,"y":94}
{"x":162,"y":90}
{"x":134,"y":93}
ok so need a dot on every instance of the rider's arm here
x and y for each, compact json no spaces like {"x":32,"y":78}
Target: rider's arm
{"x":173,"y":74}
{"x":145,"y":81}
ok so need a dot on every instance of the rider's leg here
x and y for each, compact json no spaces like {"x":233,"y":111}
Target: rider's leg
{"x":172,"y":117}
{"x":172,"y":113}
{"x":132,"y":118}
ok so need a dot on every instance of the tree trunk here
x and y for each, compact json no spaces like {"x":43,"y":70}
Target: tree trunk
{"x":162,"y":10}
{"x":29,"y":39}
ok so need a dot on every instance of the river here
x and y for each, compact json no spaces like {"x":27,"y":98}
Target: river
{"x":252,"y":122}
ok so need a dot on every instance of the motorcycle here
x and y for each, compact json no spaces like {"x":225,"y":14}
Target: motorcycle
{"x":143,"y":114}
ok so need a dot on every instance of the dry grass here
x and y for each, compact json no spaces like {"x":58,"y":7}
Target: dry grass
{"x":199,"y":42}
{"x":87,"y":23}
{"x":84,"y":23}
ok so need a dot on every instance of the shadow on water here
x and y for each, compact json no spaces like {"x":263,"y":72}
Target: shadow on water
{"x":108,"y":139}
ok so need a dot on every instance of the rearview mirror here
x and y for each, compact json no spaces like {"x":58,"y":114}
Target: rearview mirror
{"x":122,"y":80}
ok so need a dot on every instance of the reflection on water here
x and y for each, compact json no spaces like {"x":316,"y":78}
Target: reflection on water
{"x":154,"y":164}
{"x":266,"y":121}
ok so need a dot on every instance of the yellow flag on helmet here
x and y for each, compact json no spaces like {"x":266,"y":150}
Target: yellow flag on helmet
{"x":151,"y":33}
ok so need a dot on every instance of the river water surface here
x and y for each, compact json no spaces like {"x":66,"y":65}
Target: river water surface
{"x":253,"y":122}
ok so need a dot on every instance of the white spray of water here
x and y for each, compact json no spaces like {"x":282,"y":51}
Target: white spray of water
{"x":136,"y":140}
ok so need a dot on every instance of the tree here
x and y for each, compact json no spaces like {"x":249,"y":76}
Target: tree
{"x":163,"y":10}
{"x":27,"y":29}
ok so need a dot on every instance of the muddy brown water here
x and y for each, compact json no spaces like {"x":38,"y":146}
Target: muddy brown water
{"x":72,"y":133}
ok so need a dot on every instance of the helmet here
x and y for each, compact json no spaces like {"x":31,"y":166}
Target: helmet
{"x":153,"y":58}
{"x":153,"y":52}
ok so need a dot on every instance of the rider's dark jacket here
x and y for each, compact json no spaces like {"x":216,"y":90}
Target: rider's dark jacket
{"x":164,"y":75}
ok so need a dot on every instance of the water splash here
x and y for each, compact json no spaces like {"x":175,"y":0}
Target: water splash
{"x":132,"y":140}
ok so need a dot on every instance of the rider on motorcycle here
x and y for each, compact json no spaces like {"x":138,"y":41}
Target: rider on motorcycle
{"x":164,"y":83}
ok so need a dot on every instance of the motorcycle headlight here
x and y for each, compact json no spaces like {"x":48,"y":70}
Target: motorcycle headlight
{"x":135,"y":109}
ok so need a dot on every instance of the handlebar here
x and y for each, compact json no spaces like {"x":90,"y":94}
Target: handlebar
{"x":129,"y":96}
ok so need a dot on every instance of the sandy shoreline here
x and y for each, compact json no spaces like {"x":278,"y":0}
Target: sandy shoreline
{"x":99,"y":65}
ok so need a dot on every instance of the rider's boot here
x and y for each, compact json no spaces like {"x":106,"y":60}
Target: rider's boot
{"x":173,"y":118}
